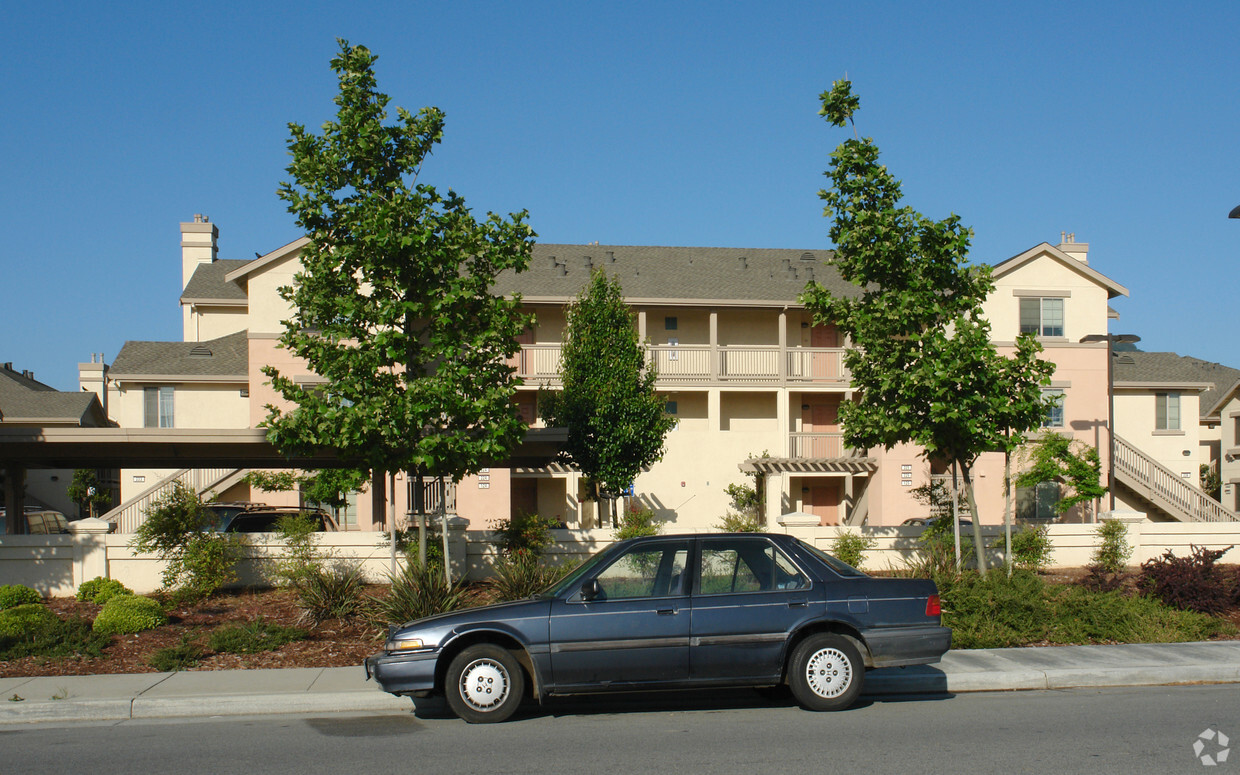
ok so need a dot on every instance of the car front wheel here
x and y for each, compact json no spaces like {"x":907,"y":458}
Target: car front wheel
{"x":485,"y":684}
{"x":826,"y":672}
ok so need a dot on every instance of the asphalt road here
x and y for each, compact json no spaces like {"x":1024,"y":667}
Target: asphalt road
{"x":1137,"y":730}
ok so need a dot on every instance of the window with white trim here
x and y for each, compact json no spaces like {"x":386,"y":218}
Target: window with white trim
{"x":1054,"y":414}
{"x":1167,"y":411}
{"x":1041,"y":316}
{"x":157,"y":404}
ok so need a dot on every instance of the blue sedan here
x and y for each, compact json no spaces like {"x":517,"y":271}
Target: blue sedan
{"x":667,"y":612}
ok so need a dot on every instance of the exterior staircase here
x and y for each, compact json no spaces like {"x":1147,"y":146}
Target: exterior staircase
{"x":203,"y":481}
{"x":1165,"y":490}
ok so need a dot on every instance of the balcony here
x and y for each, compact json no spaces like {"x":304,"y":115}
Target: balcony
{"x":688,"y":364}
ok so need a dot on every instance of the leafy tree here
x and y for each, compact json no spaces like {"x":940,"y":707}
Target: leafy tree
{"x":327,"y":487}
{"x":616,"y":421}
{"x":1057,"y":458}
{"x":922,"y":362}
{"x":392,"y":307}
{"x":87,"y":493}
{"x":180,"y":530}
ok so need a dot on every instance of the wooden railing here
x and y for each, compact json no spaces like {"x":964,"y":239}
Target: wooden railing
{"x":429,"y":502}
{"x":1165,"y":488}
{"x":132,"y":512}
{"x":816,"y":445}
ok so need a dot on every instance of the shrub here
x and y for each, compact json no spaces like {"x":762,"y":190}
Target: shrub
{"x":129,"y":613}
{"x":253,"y":637}
{"x":1113,"y":553}
{"x":1101,"y":580}
{"x":524,"y":534}
{"x":419,"y":591}
{"x":34,"y":630}
{"x":182,"y":656}
{"x":1031,"y":548}
{"x":637,"y":522}
{"x":180,"y":530}
{"x":851,"y":547}
{"x":300,"y":535}
{"x":739,"y":523}
{"x":1192,"y":583}
{"x":517,"y":578}
{"x":407,"y":544}
{"x":330,"y":593}
{"x":13,"y":595}
{"x":100,"y":590}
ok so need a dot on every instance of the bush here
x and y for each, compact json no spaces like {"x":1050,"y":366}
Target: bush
{"x":636,"y":522}
{"x":179,"y":529}
{"x":517,"y":578}
{"x":129,"y":613}
{"x":300,"y":535}
{"x":100,"y":590}
{"x":182,"y":656}
{"x":13,"y":595}
{"x":254,"y":637}
{"x":524,"y":534}
{"x":1192,"y":583}
{"x":1031,"y":548}
{"x":330,"y":593}
{"x":419,"y":591}
{"x":34,"y":630}
{"x":1113,"y":553}
{"x":739,"y":523}
{"x":851,"y":547}
{"x":407,"y":544}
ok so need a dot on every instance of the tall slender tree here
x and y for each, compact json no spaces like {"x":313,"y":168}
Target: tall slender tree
{"x":392,"y":306}
{"x":922,"y":360}
{"x":616,"y":421}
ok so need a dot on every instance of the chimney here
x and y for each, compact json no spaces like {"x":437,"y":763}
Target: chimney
{"x":93,"y":378}
{"x":199,"y":245}
{"x":1069,"y":245}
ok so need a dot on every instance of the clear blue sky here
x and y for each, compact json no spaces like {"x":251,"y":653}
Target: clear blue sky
{"x":666,"y":123}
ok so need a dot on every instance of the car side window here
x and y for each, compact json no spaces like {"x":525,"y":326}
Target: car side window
{"x":729,"y":566}
{"x":647,"y":570}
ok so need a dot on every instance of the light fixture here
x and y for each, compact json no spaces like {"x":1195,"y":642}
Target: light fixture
{"x":1235,"y":212}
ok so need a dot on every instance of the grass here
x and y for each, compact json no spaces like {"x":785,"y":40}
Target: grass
{"x":995,"y":612}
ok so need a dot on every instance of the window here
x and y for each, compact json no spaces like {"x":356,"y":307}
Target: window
{"x":746,"y":565}
{"x":670,"y":323}
{"x":649,"y":570}
{"x":1167,"y":411}
{"x":1041,"y":317}
{"x":1054,"y":415}
{"x":1037,"y":503}
{"x":157,"y":407}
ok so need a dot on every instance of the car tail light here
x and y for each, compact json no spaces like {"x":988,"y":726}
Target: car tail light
{"x":932,"y":606}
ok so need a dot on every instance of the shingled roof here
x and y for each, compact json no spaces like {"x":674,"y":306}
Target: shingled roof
{"x":1142,"y":367}
{"x":674,"y":274}
{"x":227,"y":356}
{"x":25,"y":400}
{"x":207,"y":284}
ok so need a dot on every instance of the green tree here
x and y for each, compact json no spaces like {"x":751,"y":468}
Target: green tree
{"x":922,"y":361}
{"x":180,"y":530}
{"x":616,"y":421}
{"x":328,"y":487}
{"x":392,"y":306}
{"x":1074,"y":464}
{"x":87,"y":493}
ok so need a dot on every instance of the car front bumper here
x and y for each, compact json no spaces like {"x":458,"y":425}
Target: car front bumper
{"x":403,"y":674}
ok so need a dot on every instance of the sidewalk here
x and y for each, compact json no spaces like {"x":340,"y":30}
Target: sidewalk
{"x":345,"y":689}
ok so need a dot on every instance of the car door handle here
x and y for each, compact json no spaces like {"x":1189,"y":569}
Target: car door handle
{"x":798,"y":603}
{"x":665,"y":611}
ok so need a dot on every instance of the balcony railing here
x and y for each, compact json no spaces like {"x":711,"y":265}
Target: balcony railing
{"x":816,"y":445}
{"x":702,"y":364}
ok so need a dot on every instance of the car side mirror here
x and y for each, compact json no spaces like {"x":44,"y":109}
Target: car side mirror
{"x":591,"y":590}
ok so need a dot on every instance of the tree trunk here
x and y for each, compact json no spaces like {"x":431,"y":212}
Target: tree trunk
{"x":978,"y":547}
{"x":1007,"y":511}
{"x":420,"y":504}
{"x":443,"y":528}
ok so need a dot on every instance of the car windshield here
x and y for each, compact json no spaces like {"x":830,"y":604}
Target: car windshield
{"x":558,"y":588}
{"x":837,"y":565}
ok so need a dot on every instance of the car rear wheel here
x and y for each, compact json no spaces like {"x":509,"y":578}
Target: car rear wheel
{"x":485,"y":684}
{"x":826,"y":672}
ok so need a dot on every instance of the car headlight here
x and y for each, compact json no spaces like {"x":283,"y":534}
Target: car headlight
{"x":407,"y":644}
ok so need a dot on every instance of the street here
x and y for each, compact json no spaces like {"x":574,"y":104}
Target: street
{"x":1137,"y":730}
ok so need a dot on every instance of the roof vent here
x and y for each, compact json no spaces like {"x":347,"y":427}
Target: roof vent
{"x":201,"y":351}
{"x":807,"y":256}
{"x":1127,"y":360}
{"x":744,"y":262}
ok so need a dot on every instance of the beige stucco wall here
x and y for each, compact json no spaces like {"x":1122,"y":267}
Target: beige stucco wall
{"x":1135,"y":419}
{"x":206,"y":323}
{"x":1085,"y":305}
{"x":1229,"y":467}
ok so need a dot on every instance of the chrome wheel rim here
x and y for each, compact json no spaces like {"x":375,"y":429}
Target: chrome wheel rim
{"x":828,"y":672}
{"x":484,"y":684}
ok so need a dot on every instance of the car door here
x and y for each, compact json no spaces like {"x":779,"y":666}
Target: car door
{"x":634,"y":630}
{"x":748,"y":596}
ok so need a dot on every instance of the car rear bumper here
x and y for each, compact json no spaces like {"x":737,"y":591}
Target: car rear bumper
{"x":403,"y":674}
{"x":895,"y":646}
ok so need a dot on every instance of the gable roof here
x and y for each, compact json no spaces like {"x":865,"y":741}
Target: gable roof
{"x":1015,"y":262}
{"x":1212,"y":379}
{"x":25,"y":400}
{"x":222,"y":359}
{"x":240,"y":275}
{"x":208,"y":284}
{"x":650,"y":274}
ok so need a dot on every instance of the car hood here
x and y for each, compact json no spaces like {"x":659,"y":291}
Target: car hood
{"x":517,"y":609}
